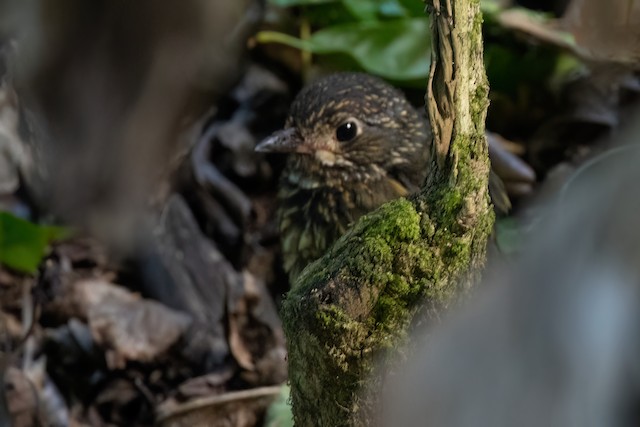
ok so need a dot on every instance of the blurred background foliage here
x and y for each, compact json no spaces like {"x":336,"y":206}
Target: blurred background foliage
{"x":532,"y":61}
{"x":24,"y":244}
{"x":529,"y":61}
{"x":528,"y":56}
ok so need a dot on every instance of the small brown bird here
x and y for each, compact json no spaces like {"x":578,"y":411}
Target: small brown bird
{"x":354,"y":143}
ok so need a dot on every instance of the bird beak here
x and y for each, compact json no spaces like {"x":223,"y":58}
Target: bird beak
{"x":283,"y":141}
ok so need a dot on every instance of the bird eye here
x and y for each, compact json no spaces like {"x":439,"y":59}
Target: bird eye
{"x":347,"y":131}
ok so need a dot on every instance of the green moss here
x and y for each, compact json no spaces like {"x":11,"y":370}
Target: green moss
{"x":427,"y":227}
{"x":390,"y":261}
{"x":476,"y":28}
{"x":356,"y":301}
{"x":395,"y":221}
{"x":375,"y":251}
{"x":479,"y":105}
{"x":332,"y":317}
{"x":390,"y":310}
{"x":449,"y":204}
{"x":458,"y":250}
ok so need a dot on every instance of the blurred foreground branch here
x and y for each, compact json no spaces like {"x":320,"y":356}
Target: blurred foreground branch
{"x":107,"y":90}
{"x":552,"y":339}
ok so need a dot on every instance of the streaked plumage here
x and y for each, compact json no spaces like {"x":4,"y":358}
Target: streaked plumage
{"x":354,"y":143}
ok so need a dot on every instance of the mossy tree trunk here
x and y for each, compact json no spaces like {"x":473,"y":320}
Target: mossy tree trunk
{"x":354,"y":305}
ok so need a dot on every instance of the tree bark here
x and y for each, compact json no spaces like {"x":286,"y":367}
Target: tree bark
{"x":352,"y":308}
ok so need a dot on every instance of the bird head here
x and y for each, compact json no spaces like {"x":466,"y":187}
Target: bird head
{"x":350,"y":121}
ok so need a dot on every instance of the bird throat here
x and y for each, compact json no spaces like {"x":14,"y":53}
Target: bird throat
{"x":326,"y":157}
{"x":318,"y":202}
{"x":308,"y":172}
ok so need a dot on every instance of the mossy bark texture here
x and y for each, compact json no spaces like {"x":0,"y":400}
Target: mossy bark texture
{"x":353,"y":306}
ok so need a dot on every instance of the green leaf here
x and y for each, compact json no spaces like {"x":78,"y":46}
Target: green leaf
{"x":54,"y":233}
{"x":393,"y":9}
{"x":340,"y":12}
{"x":363,"y":10}
{"x":24,"y":244}
{"x":413,"y":7}
{"x":398,"y":50}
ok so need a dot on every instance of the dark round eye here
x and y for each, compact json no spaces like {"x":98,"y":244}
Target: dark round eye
{"x":347,"y":131}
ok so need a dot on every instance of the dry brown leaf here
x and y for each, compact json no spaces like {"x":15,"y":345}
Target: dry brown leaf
{"x":139,"y":331}
{"x":131,"y":327}
{"x":21,"y":397}
{"x":255,"y":335}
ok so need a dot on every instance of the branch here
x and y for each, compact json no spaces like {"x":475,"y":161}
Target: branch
{"x":355,"y":304}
